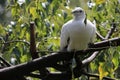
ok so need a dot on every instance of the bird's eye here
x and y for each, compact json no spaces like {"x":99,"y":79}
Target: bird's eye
{"x":77,"y":11}
{"x":80,"y":11}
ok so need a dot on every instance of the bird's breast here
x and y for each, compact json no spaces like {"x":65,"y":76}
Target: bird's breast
{"x":79,"y":34}
{"x":77,"y":29}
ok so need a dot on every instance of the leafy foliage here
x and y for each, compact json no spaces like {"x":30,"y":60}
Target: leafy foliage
{"x":49,"y":16}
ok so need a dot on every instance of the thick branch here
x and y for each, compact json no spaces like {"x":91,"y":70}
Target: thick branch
{"x":33,"y":52}
{"x":46,"y":61}
{"x":106,"y":43}
{"x":32,"y":41}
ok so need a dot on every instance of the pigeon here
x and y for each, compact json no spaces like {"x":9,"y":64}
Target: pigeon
{"x":77,"y":33}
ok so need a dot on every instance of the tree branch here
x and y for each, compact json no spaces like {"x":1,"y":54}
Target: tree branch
{"x":107,"y":43}
{"x":46,"y":61}
{"x":100,"y":36}
{"x":13,"y":41}
{"x":32,"y":41}
{"x":90,"y":59}
{"x":111,"y":31}
{"x":5,"y":62}
{"x":43,"y":71}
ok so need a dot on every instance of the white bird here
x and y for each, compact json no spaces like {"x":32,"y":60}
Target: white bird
{"x":77,"y":33}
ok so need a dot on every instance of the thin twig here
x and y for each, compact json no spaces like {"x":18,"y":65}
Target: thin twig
{"x":34,"y":75}
{"x":5,"y":62}
{"x":13,"y":41}
{"x":100,"y":36}
{"x":111,"y":31}
{"x":90,"y":59}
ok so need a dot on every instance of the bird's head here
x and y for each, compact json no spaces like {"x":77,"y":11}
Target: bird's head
{"x":78,"y":13}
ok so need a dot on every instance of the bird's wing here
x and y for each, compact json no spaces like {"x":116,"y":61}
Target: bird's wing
{"x":93,"y":31}
{"x":64,"y":38}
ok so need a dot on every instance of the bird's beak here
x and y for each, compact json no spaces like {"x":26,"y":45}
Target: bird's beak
{"x":72,"y":11}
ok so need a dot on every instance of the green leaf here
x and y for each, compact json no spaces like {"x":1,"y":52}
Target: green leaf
{"x":93,"y":66}
{"x":115,"y":60}
{"x":2,"y":30}
{"x":14,"y":11}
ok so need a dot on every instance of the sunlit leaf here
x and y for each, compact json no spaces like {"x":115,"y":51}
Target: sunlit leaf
{"x":24,"y":58}
{"x":33,"y":12}
{"x":102,"y":71}
{"x":115,"y":60}
{"x":93,"y":66}
{"x":2,"y":30}
{"x":100,"y":1}
{"x":14,"y":11}
{"x":27,"y":36}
